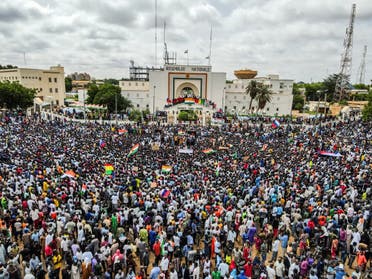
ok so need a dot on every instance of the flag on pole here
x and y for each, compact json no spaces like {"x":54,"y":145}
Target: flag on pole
{"x":166,"y":169}
{"x":330,"y":154}
{"x":133,"y":150}
{"x":208,"y":151}
{"x":109,"y":169}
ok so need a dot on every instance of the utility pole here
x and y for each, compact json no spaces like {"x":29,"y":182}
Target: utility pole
{"x":116,"y":109}
{"x":153,"y":104}
{"x":346,"y":60}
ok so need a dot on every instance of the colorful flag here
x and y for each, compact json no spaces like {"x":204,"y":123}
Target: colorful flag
{"x":102,"y":143}
{"x":133,"y":150}
{"x":189,"y":101}
{"x":166,"y":169}
{"x":69,"y":173}
{"x":264,"y":147}
{"x":165,"y":193}
{"x":208,"y":151}
{"x":109,"y":169}
{"x":275,"y":124}
{"x":218,"y":168}
{"x":330,"y":154}
{"x":122,"y":131}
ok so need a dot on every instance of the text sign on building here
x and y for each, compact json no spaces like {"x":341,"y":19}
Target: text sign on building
{"x":175,"y":68}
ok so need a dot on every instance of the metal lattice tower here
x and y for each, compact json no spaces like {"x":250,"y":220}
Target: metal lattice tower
{"x":361,"y":75}
{"x":346,"y":61}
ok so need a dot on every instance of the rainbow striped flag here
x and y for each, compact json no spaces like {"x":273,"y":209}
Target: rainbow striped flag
{"x":133,"y":150}
{"x":166,"y":168}
{"x":208,"y":151}
{"x":109,"y":169}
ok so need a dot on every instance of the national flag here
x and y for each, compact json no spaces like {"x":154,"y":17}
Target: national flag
{"x":109,"y":169}
{"x":330,"y":154}
{"x":166,"y":169}
{"x":69,"y":173}
{"x":133,"y":150}
{"x":218,"y":168}
{"x":165,"y":193}
{"x":189,"y":101}
{"x":276,"y":124}
{"x":208,"y":151}
{"x":181,"y":132}
{"x":122,"y":131}
{"x":102,"y":143}
{"x":264,"y":147}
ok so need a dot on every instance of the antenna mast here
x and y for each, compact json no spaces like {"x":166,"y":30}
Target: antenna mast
{"x":210,"y":48}
{"x":156,"y":33}
{"x":361,"y":75}
{"x":346,"y":61}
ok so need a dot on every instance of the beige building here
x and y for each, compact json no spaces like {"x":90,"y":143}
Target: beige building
{"x":49,"y":84}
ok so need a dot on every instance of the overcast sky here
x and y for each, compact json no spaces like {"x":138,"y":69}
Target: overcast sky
{"x":296,"y":39}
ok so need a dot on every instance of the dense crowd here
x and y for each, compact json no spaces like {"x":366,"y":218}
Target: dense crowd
{"x":238,"y":201}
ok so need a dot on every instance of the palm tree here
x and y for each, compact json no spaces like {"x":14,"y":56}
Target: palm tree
{"x":263,"y":96}
{"x":252,"y":89}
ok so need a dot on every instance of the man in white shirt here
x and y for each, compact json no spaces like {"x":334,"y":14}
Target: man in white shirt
{"x":279,"y":268}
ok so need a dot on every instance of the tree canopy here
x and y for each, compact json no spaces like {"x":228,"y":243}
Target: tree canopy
{"x":15,"y":96}
{"x":7,"y":67}
{"x":68,"y":84}
{"x":107,"y":94}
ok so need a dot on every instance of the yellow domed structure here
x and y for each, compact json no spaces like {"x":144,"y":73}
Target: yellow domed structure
{"x":245,"y":74}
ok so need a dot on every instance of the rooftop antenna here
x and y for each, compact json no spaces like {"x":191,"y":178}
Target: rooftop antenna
{"x":210,"y":48}
{"x":361,"y":75}
{"x":156,"y":32}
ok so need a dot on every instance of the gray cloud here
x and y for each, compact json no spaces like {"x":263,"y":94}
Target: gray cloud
{"x":296,"y":39}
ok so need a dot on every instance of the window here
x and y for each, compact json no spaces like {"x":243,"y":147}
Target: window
{"x":277,"y":109}
{"x":147,"y":96}
{"x":143,"y":84}
{"x":147,"y":106}
{"x":137,"y":95}
{"x":235,"y":107}
{"x":236,"y":86}
{"x":128,"y":83}
{"x":41,"y":89}
{"x":267,"y":109}
{"x":137,"y":105}
{"x":229,"y":86}
{"x":136,"y":83}
{"x":50,"y":90}
{"x":234,"y":97}
{"x":40,"y":78}
{"x":50,"y":79}
{"x":55,"y":79}
{"x":56,"y":90}
{"x":243,"y":107}
{"x":242,"y":86}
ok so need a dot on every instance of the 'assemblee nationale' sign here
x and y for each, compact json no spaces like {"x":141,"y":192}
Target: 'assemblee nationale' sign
{"x":181,"y":68}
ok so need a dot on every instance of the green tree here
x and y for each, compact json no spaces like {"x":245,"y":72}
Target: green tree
{"x":92,"y":92}
{"x":111,"y":81}
{"x":134,"y":115}
{"x":8,"y":67}
{"x":252,"y":90}
{"x":311,"y":90}
{"x":361,"y":86}
{"x":263,"y":96}
{"x":110,"y":96}
{"x":367,"y":111}
{"x":14,"y":96}
{"x":298,"y":102}
{"x":68,"y":84}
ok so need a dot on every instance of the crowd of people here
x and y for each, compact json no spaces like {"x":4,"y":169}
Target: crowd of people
{"x":237,"y":201}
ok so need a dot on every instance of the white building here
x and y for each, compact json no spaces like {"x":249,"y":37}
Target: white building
{"x":167,"y":89}
{"x":49,"y":84}
{"x":237,"y":101}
